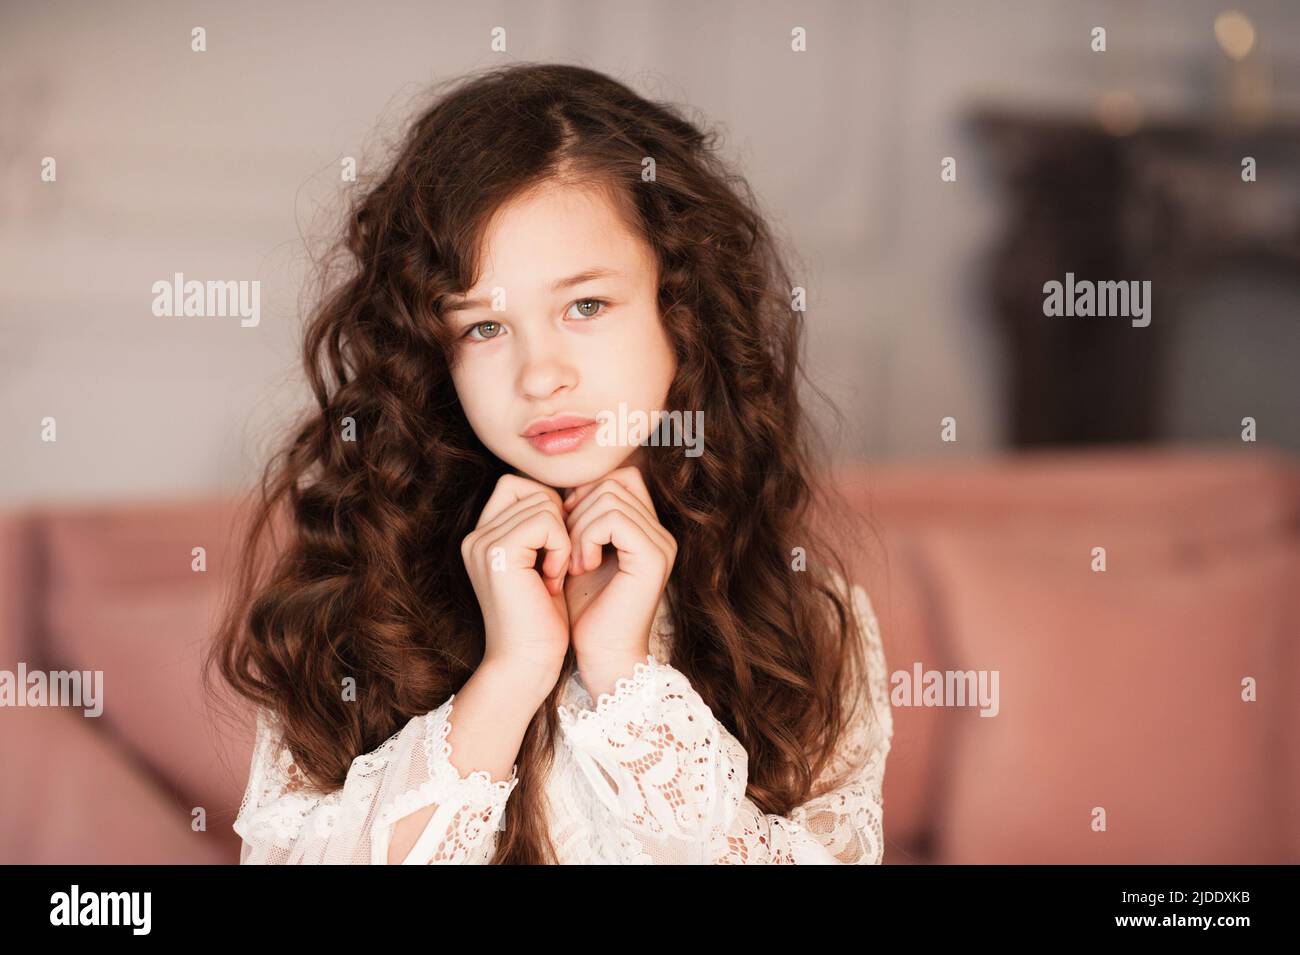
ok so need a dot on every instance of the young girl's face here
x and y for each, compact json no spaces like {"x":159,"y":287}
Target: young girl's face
{"x":563,"y":340}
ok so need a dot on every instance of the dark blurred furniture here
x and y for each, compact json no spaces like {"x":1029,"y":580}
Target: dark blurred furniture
{"x":1164,"y":203}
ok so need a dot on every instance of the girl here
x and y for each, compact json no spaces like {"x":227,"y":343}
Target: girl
{"x":501,"y":631}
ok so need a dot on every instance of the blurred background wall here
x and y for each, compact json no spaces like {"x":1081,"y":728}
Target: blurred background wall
{"x":219,"y":164}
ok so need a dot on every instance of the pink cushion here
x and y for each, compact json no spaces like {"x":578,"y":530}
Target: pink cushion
{"x":123,"y":599}
{"x":884,"y":560}
{"x":129,"y":545}
{"x":18,"y":589}
{"x":71,"y":796}
{"x":1148,"y":506}
{"x":897,"y":587}
{"x":148,"y":642}
{"x":1215,"y":494}
{"x":1121,"y":690}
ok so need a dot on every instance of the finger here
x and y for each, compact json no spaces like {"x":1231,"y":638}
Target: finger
{"x":574,"y":494}
{"x":637,"y":551}
{"x":634,"y":481}
{"x":615,"y":495}
{"x":610,"y":495}
{"x":577,"y":494}
{"x":510,"y":489}
{"x":629,"y":477}
{"x":475,"y":539}
{"x":538,"y":528}
{"x":612,"y":487}
{"x":507,"y":516}
{"x":587,"y":554}
{"x":632,"y":502}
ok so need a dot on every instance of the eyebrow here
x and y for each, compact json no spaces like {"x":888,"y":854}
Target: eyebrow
{"x":587,"y":275}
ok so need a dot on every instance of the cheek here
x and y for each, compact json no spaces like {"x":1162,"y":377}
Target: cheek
{"x":473,"y":397}
{"x":664,"y":367}
{"x":458,"y":383}
{"x":647,"y":353}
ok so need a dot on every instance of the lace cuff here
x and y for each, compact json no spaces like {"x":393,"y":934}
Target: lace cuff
{"x":657,"y":758}
{"x":284,"y":821}
{"x":471,"y":808}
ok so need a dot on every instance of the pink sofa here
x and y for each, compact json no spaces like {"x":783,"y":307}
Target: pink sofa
{"x":1120,"y":692}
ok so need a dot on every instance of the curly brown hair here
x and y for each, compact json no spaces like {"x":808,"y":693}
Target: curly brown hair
{"x":370,"y":583}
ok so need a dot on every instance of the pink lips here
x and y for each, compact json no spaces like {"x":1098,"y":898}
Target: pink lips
{"x":560,"y":434}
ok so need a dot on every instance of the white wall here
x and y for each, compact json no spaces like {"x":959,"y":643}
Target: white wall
{"x":210,"y":164}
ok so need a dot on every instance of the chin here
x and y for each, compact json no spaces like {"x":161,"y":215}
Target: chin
{"x":573,"y":469}
{"x":563,"y":470}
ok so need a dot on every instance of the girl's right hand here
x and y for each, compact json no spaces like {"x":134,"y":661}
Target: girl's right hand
{"x":525,"y":618}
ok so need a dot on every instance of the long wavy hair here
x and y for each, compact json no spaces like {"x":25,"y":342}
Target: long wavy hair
{"x":369,"y":582}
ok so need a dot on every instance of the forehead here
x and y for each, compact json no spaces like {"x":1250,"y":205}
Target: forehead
{"x":555,"y":231}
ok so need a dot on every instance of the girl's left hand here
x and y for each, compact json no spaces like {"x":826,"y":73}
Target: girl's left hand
{"x":613,"y":632}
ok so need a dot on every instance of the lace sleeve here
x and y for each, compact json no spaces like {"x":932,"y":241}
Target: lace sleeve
{"x":284,"y":821}
{"x":671,"y":778}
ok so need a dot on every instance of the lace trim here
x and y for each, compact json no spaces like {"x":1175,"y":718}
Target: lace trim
{"x":277,"y":802}
{"x":626,"y":688}
{"x":441,"y":766}
{"x":475,"y":788}
{"x":283,"y":819}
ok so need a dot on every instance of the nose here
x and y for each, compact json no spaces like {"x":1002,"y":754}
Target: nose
{"x":546,"y":366}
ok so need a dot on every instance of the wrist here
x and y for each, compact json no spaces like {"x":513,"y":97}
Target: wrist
{"x":519,"y":680}
{"x":600,"y":674}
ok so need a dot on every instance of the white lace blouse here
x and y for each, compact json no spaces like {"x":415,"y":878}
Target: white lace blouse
{"x":680,"y":776}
